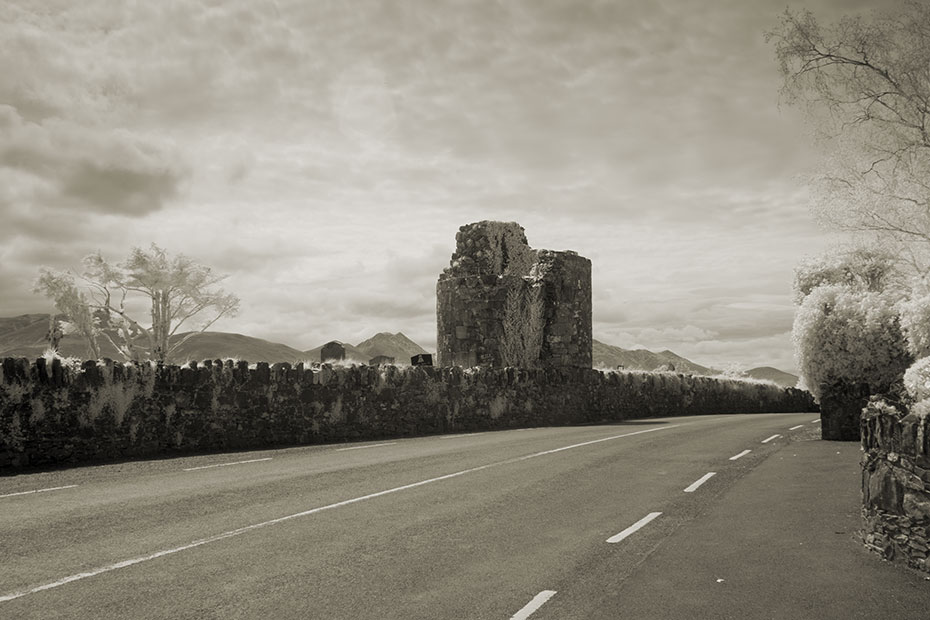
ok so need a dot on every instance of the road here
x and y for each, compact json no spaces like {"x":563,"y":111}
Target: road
{"x":509,"y":524}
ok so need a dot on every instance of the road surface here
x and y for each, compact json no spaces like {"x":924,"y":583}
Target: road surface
{"x":532,"y":523}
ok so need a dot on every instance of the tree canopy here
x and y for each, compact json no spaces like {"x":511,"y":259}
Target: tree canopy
{"x":866,"y":85}
{"x":845,"y":335}
{"x":175,"y":288}
{"x":864,"y":268}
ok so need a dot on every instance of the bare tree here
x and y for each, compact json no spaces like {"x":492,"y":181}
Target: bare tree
{"x":177,"y":289}
{"x":866,"y":85}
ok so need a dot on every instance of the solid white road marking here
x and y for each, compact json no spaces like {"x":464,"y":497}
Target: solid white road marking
{"x":633,"y":528}
{"x":538,"y":601}
{"x":374,"y":445}
{"x":694,"y":485}
{"x":461,"y":435}
{"x":227,"y":464}
{"x":593,"y":441}
{"x":354,"y":500}
{"x":794,"y":428}
{"x":70,"y":486}
{"x":771,"y":438}
{"x":740,"y":455}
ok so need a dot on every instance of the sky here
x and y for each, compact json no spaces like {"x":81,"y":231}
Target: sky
{"x":323,"y":155}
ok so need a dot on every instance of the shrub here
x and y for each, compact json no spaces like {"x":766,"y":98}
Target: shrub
{"x":915,"y":320}
{"x":917,"y":380}
{"x":849,"y":335}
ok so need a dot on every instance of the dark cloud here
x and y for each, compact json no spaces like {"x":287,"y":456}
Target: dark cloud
{"x":91,"y":168}
{"x":127,"y":192}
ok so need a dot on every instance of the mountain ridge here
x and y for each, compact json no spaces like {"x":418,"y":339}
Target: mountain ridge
{"x":24,"y":336}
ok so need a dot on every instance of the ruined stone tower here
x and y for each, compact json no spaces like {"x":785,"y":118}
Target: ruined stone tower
{"x":502,"y":303}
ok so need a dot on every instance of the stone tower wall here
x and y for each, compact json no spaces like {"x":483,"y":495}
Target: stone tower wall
{"x":567,"y":286}
{"x":501,"y":303}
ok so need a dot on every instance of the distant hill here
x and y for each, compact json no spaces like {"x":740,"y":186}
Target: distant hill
{"x":782,"y":378}
{"x":609,"y":356}
{"x":24,"y":331}
{"x":222,"y":345}
{"x":352,"y":353}
{"x":396,"y":345}
{"x":24,"y":336}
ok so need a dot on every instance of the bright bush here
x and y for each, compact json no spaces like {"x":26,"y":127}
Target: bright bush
{"x":862,"y":268}
{"x":915,"y":320}
{"x":851,"y":335}
{"x":917,"y":380}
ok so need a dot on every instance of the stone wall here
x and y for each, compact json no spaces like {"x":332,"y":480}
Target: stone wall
{"x":52,"y":414}
{"x":501,"y":303}
{"x":896,"y":484}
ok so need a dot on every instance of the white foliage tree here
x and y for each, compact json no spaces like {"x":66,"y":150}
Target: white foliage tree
{"x":176,"y":289}
{"x":864,"y":83}
{"x":845,"y":335}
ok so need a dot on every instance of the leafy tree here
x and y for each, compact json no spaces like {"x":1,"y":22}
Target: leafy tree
{"x":866,"y":85}
{"x":915,"y":319}
{"x":864,"y":268}
{"x":846,"y":336}
{"x":175,"y":287}
{"x":734,"y":370}
{"x":73,"y":303}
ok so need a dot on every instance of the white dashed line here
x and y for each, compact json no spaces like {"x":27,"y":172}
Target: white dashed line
{"x":296,"y":515}
{"x":70,"y":486}
{"x":817,"y":421}
{"x":794,"y":428}
{"x":697,"y":483}
{"x":634,"y":528}
{"x":226,"y":464}
{"x":771,"y":438}
{"x":740,"y":455}
{"x":538,"y":601}
{"x":374,"y":445}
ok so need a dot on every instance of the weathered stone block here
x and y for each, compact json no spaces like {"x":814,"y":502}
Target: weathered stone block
{"x":917,"y":506}
{"x":885,"y":490}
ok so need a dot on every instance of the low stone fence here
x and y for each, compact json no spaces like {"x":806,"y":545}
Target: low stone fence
{"x":896,"y":484}
{"x":54,"y":414}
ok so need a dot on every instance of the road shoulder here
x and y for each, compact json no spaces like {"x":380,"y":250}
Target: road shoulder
{"x":783,"y":542}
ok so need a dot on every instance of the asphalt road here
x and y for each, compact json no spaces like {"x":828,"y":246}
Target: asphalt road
{"x":510,"y":524}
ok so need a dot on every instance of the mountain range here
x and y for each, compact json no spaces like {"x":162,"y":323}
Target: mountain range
{"x":24,"y":336}
{"x":396,"y":345}
{"x":609,"y":356}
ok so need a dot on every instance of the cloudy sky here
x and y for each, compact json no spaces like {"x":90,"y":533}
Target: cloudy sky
{"x":324,"y":153}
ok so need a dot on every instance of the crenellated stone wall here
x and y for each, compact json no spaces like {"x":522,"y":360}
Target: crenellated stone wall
{"x":896,"y":484}
{"x":501,"y":303}
{"x":51,"y":414}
